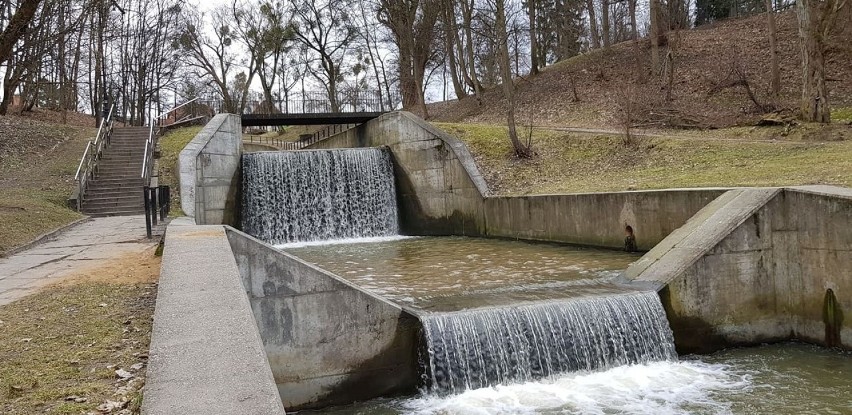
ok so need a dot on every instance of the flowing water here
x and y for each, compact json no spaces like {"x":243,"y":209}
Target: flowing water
{"x":472,"y":349}
{"x":315,"y":195}
{"x":452,"y":273}
{"x":787,"y":378}
{"x":514,"y":327}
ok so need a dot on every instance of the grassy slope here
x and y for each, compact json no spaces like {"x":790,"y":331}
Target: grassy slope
{"x":170,"y":146}
{"x":37,"y":166}
{"x":569,"y":162}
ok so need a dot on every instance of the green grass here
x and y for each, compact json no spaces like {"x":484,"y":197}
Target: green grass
{"x":568,"y":163}
{"x":843,"y":114}
{"x":62,"y":342}
{"x":171,"y":145}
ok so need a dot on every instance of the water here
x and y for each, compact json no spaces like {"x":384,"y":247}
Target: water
{"x":787,"y":378}
{"x":452,"y":273}
{"x":473,"y":349}
{"x":301,"y":196}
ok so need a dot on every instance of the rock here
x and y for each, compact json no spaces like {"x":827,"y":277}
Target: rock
{"x":123,"y":374}
{"x":109,"y":406}
{"x":137,"y":366}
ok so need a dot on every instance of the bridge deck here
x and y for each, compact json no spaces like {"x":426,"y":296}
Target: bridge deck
{"x":259,"y":120}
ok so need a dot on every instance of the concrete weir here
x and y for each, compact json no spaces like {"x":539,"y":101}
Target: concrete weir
{"x":756,"y":265}
{"x":241,"y":327}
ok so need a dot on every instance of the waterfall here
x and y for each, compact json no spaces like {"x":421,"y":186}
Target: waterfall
{"x":315,"y":195}
{"x":477,"y":348}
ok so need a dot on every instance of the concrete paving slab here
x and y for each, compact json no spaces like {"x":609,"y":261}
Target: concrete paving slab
{"x":85,"y":245}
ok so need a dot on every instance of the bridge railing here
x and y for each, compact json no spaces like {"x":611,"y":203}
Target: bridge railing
{"x":305,"y":103}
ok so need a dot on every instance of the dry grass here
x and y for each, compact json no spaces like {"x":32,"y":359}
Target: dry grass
{"x":60,"y":348}
{"x":568,"y":162}
{"x":705,"y":58}
{"x":38,"y":161}
{"x":171,"y":145}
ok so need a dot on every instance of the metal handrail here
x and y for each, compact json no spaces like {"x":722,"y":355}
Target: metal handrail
{"x":148,"y":157}
{"x":94,"y":149}
{"x":181,"y":105}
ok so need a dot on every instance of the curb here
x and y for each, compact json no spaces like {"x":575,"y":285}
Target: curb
{"x":43,"y":237}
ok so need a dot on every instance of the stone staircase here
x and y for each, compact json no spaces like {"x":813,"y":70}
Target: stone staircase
{"x":117,"y":187}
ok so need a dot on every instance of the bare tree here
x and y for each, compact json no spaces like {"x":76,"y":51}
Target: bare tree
{"x":775,"y":71}
{"x":504,"y":61}
{"x":264,"y":29}
{"x":412,"y":23}
{"x":215,"y":58}
{"x":325,"y":30}
{"x":816,"y":21}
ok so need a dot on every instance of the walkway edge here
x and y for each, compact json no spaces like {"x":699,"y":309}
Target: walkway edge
{"x":44,"y":237}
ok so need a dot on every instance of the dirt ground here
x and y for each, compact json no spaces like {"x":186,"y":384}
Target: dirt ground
{"x":80,"y":345}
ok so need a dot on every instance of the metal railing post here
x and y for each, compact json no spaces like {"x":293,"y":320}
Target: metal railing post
{"x":145,"y":198}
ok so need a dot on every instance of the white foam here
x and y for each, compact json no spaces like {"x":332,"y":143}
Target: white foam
{"x":660,"y":388}
{"x":374,"y":239}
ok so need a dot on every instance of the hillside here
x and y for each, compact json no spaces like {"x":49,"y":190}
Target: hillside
{"x":569,"y":162}
{"x":38,"y":159}
{"x":607,"y":79}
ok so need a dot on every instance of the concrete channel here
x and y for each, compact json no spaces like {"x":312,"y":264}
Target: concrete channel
{"x":252,"y":329}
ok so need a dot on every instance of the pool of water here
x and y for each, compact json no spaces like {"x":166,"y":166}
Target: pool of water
{"x":787,"y":378}
{"x":451,"y":273}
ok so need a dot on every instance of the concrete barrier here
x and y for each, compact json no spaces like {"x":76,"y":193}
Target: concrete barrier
{"x":328,"y":341}
{"x":206,"y":354}
{"x":756,"y":265}
{"x":439,"y":188}
{"x":441,"y":192}
{"x":595,"y":219}
{"x":210,"y":172}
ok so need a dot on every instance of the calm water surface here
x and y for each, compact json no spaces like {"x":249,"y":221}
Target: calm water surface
{"x":450,"y":273}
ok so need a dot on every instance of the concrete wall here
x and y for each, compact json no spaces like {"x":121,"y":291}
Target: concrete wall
{"x":595,"y":219}
{"x":439,"y":188}
{"x":206,"y":354}
{"x":754,"y":266}
{"x":441,"y":192}
{"x":210,"y":172}
{"x":328,"y":341}
{"x":256,"y":147}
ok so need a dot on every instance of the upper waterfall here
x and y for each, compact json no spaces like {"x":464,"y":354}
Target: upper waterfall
{"x":315,"y":195}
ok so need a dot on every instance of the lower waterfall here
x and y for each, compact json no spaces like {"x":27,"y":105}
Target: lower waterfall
{"x":478,"y":348}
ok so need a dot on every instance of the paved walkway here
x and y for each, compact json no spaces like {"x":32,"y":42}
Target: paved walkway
{"x":82,"y":246}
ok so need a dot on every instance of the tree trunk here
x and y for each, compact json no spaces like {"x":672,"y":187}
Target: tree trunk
{"x":775,"y":80}
{"x":521,"y":151}
{"x":605,"y":23}
{"x":534,"y":63}
{"x":656,"y":33}
{"x":814,"y":105}
{"x":634,"y":32}
{"x":594,"y":38}
{"x":467,"y":15}
{"x":16,"y":27}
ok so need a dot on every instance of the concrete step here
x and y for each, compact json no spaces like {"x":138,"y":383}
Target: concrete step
{"x":109,"y":194}
{"x":103,"y":206}
{"x":117,"y":181}
{"x":100,"y":214}
{"x":101,"y":197}
{"x":121,"y":170}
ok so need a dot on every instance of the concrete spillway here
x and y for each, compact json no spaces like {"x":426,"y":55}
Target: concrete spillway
{"x":478,"y":348}
{"x":300,"y":196}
